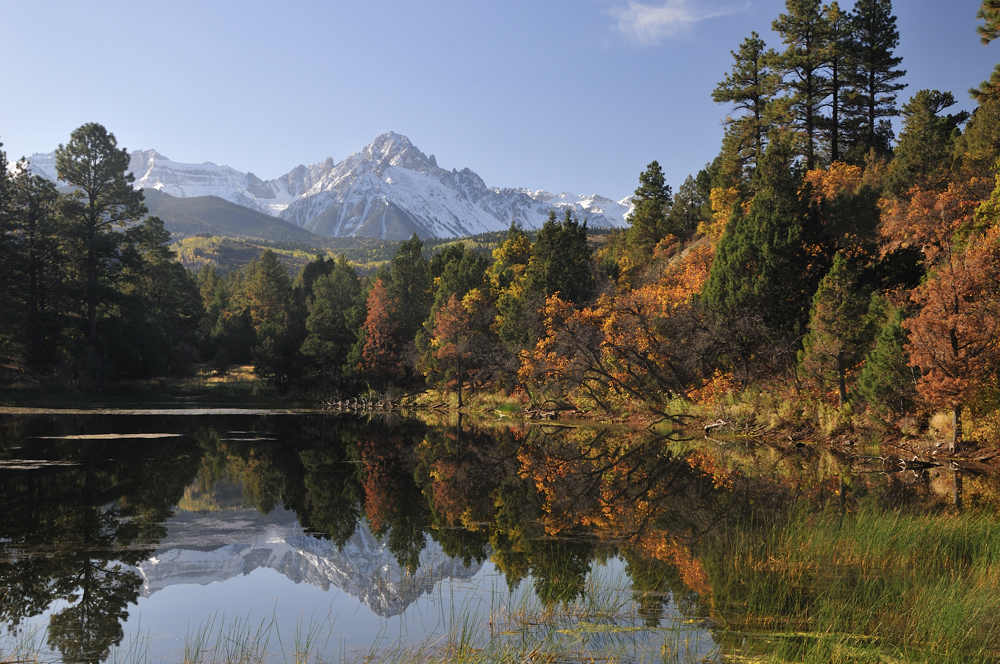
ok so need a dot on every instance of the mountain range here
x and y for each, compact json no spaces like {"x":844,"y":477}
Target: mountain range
{"x":210,"y":547}
{"x":388,"y":190}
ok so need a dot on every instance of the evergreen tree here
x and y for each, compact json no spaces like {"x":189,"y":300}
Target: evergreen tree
{"x":265,"y":290}
{"x":872,"y":77}
{"x":102,"y":201}
{"x":924,"y":155}
{"x":805,"y":30}
{"x":561,"y":262}
{"x":648,"y":221}
{"x":761,"y":249}
{"x":409,"y":287}
{"x":978,"y":148}
{"x":838,"y":31}
{"x":989,"y":14}
{"x":688,"y":209}
{"x":335,"y":306}
{"x":750,"y":87}
{"x":157,"y":319}
{"x":36,"y":285}
{"x":887,"y":382}
{"x":266,"y":293}
{"x":838,"y":334}
{"x":7,"y":325}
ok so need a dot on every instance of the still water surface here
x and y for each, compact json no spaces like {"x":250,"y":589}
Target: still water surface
{"x":136,"y":535}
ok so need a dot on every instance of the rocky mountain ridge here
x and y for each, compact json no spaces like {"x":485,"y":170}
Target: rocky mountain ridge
{"x":204,"y":548}
{"x":388,"y":190}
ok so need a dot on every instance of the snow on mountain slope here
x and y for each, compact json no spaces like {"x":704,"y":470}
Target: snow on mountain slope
{"x":208,"y":548}
{"x":390,"y":189}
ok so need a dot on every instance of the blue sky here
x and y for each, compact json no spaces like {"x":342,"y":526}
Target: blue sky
{"x":564,"y":95}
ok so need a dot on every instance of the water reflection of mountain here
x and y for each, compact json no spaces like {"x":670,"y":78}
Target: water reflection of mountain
{"x":203,"y":548}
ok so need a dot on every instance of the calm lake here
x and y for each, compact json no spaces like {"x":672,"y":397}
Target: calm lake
{"x":225,"y":535}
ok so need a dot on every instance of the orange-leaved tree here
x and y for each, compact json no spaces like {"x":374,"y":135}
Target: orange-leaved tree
{"x":451,"y":344}
{"x":635,"y":346}
{"x":954,"y":336}
{"x":379,"y":355}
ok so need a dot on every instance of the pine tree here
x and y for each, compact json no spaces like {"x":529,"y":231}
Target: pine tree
{"x":887,"y":382}
{"x":161,"y":308}
{"x":978,"y":148}
{"x":7,"y":325}
{"x":923,"y":156}
{"x":266,"y":294}
{"x":872,"y":76}
{"x":688,"y":209}
{"x":989,"y":14}
{"x":266,"y":290}
{"x":838,"y":335}
{"x":804,"y":29}
{"x":409,"y":286}
{"x":760,"y":249}
{"x":561,"y":261}
{"x":648,"y":221}
{"x":332,"y":325}
{"x":37,"y":286}
{"x":102,"y":201}
{"x":838,"y":32}
{"x":750,"y":88}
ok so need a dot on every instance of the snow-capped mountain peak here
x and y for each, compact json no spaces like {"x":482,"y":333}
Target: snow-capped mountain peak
{"x":389,"y":189}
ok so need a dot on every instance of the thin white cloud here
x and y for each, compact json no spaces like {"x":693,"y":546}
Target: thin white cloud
{"x":648,"y":25}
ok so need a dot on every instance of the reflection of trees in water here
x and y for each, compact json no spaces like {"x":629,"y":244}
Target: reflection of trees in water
{"x":542,"y":502}
{"x":330,"y":470}
{"x":74,"y":530}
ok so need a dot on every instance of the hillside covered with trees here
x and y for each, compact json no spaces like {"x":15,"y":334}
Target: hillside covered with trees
{"x":849,"y":273}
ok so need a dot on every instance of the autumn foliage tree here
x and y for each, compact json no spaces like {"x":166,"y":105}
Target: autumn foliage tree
{"x":954,"y":336}
{"x":378,"y":343}
{"x":450,"y":345}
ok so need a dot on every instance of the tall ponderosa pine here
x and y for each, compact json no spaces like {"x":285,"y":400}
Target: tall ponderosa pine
{"x":838,"y":29}
{"x":102,"y":201}
{"x":38,"y":285}
{"x":989,"y":14}
{"x":872,"y":77}
{"x":7,"y":325}
{"x":161,"y":306}
{"x":749,"y":87}
{"x":804,"y":29}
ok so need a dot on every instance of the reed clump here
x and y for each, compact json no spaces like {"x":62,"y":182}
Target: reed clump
{"x":875,"y":585}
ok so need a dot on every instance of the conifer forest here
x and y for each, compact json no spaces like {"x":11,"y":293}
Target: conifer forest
{"x":840,"y":257}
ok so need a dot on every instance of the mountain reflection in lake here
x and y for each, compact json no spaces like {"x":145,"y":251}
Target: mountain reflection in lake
{"x":119,"y":541}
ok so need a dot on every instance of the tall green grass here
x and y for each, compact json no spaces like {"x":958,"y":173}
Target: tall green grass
{"x":874,"y":586}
